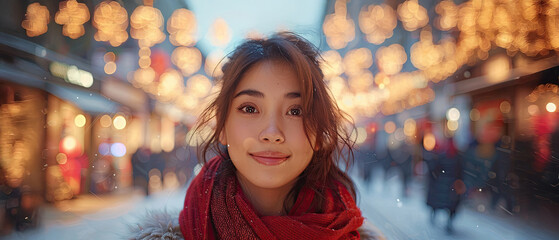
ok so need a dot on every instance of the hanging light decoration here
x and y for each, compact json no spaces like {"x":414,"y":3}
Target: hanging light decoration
{"x":377,"y":22}
{"x":36,"y":20}
{"x":72,"y":15}
{"x":220,"y":33}
{"x":171,"y":85}
{"x":412,"y":15}
{"x":111,"y":21}
{"x":182,"y":28}
{"x":332,"y":65}
{"x":187,"y":59}
{"x":391,"y":59}
{"x":146,"y":26}
{"x":338,"y":28}
{"x":356,"y":60}
{"x":448,"y":15}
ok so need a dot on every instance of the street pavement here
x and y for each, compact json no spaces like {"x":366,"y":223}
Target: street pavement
{"x":382,"y":203}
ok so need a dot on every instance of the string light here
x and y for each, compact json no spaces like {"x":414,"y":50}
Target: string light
{"x":111,"y":21}
{"x":36,"y":20}
{"x":72,"y":15}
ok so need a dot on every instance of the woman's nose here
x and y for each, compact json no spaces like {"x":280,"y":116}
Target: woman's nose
{"x":272,"y":132}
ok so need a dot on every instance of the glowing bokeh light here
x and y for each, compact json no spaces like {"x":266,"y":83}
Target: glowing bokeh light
{"x":453,"y":114}
{"x":475,"y":114}
{"x":79,"y":120}
{"x":118,"y":149}
{"x":36,"y":20}
{"x":429,"y":142}
{"x":104,"y":149}
{"x":119,"y":122}
{"x":69,"y":143}
{"x":389,"y":127}
{"x":72,"y":15}
{"x":505,"y":106}
{"x":551,"y":107}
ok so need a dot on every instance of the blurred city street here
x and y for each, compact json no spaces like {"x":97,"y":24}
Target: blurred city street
{"x":100,"y":217}
{"x":454,"y":106}
{"x":397,"y":217}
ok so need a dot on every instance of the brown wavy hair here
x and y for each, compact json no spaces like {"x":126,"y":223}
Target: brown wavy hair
{"x":321,"y":115}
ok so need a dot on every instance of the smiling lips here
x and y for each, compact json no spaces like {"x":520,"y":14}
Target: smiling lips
{"x":269,"y":158}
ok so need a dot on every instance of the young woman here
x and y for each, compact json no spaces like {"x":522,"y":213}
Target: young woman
{"x":279,"y":138}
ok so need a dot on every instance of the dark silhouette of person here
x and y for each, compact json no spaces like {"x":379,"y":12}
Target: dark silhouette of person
{"x":445,"y":185}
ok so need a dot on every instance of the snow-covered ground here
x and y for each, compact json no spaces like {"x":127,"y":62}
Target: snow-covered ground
{"x":99,"y":217}
{"x":409,"y":217}
{"x":108,"y":217}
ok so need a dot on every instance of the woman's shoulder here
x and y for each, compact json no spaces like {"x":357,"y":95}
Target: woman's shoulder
{"x":370,"y":231}
{"x":156,"y":224}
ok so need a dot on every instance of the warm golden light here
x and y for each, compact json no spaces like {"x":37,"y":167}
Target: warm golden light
{"x":36,"y":20}
{"x":109,"y":57}
{"x":61,"y":158}
{"x":359,"y":135}
{"x":429,"y":141}
{"x":220,"y":33}
{"x":69,"y":143}
{"x":497,"y":69}
{"x":338,"y":28}
{"x":377,"y":22}
{"x":409,"y":127}
{"x":187,"y":59}
{"x":105,"y":121}
{"x":111,"y":21}
{"x":332,"y":64}
{"x":79,"y":120}
{"x":198,"y":85}
{"x":119,"y":122}
{"x":391,"y":59}
{"x":361,"y":82}
{"x":505,"y":107}
{"x":551,"y":107}
{"x":453,"y":114}
{"x":452,"y":125}
{"x":475,"y":114}
{"x":356,"y":60}
{"x":182,"y":28}
{"x":143,"y":77}
{"x":448,"y":15}
{"x":146,"y":25}
{"x":389,"y":127}
{"x":72,"y":15}
{"x":110,"y":68}
{"x":214,"y":62}
{"x":412,"y":15}
{"x":171,"y":85}
{"x":533,"y":110}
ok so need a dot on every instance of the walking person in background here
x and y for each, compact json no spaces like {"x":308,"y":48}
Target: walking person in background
{"x":445,"y":185}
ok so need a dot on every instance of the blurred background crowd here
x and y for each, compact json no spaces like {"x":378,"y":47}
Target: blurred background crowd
{"x":457,"y":96}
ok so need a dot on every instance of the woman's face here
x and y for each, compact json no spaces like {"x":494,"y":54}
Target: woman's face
{"x":264,"y":127}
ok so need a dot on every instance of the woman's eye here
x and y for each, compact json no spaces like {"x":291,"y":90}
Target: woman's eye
{"x":295,"y":112}
{"x":248,"y":109}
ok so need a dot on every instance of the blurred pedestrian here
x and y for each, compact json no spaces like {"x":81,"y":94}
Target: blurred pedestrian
{"x":499,"y":176}
{"x":140,"y":168}
{"x":445,"y":185}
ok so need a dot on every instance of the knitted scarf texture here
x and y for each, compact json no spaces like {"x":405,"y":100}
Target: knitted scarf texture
{"x":215,"y":207}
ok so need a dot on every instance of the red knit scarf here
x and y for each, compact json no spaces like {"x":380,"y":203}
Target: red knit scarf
{"x":216,"y":208}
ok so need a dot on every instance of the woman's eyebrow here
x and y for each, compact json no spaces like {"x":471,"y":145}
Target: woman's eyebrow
{"x":250,"y":92}
{"x":255,"y":93}
{"x":293,"y":95}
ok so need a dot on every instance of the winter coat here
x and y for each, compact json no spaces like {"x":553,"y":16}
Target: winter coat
{"x":162,"y":224}
{"x":445,"y":185}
